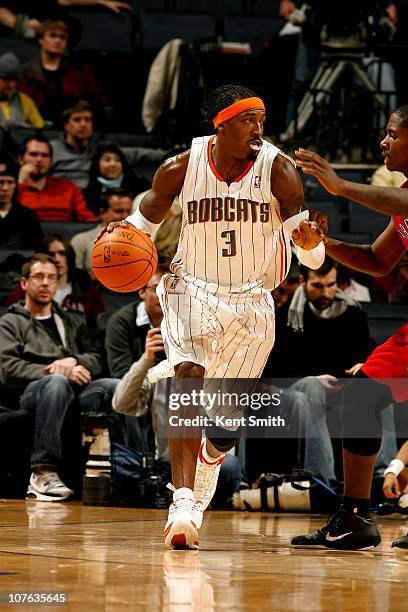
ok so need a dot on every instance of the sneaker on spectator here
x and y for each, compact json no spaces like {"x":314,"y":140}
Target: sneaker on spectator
{"x":184,"y":520}
{"x":47,"y":487}
{"x":206,"y":476}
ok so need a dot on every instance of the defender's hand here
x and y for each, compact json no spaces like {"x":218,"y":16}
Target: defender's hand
{"x":312,"y":163}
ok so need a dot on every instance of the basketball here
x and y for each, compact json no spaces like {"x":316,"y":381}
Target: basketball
{"x":124,"y":260}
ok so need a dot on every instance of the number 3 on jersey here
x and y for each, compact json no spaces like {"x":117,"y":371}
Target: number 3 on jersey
{"x":231,"y":243}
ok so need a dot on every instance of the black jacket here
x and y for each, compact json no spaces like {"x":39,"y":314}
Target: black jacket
{"x":20,"y":229}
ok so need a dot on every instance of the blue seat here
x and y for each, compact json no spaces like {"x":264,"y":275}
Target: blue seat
{"x":104,"y":30}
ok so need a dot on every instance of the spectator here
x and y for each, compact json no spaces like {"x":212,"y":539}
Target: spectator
{"x":49,"y":358}
{"x":115,"y":205}
{"x":17,"y":109}
{"x":19,"y":227}
{"x":56,"y":82}
{"x":25,"y":18}
{"x":110,"y":170}
{"x":76,"y":291}
{"x":134,"y":345}
{"x":51,"y":198}
{"x":72,"y":154}
{"x":319,"y":309}
{"x":350,"y":286}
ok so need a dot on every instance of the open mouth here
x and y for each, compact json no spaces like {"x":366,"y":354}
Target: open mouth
{"x":255,"y":145}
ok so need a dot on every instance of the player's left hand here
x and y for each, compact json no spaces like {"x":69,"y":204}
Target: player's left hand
{"x":312,"y":163}
{"x":308,"y":235}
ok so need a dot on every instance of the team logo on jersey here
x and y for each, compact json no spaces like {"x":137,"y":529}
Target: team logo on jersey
{"x":227,"y":209}
{"x":257,"y":182}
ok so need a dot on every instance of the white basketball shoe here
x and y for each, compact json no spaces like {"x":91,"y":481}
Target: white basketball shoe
{"x":184,"y":520}
{"x":206,"y":476}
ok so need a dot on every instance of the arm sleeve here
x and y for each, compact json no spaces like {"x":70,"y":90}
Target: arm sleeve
{"x":31,"y":112}
{"x":118,"y":345}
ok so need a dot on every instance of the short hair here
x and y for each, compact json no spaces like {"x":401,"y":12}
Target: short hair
{"x":402,"y":113}
{"x":36,"y":258}
{"x":118,"y":191}
{"x":82,"y":106}
{"x":222,"y":97}
{"x":37,"y":138}
{"x":55,"y":25}
{"x":326,"y":267}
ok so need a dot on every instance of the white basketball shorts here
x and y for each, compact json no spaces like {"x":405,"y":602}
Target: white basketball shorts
{"x":231,"y":337}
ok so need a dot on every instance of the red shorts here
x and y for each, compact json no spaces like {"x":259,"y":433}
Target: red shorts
{"x":389,"y":363}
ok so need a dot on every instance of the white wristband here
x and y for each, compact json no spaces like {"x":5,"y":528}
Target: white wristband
{"x":313,"y":258}
{"x":140,"y":222}
{"x":395,"y":467}
{"x":293,"y":222}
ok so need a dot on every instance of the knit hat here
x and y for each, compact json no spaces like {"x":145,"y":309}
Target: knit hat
{"x":8,"y":167}
{"x":10,"y":66}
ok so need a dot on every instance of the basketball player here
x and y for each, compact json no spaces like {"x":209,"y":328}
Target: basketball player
{"x":351,"y":528}
{"x":242,"y":202}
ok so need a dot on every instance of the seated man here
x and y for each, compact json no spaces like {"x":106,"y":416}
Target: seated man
{"x":51,"y":198}
{"x":115,"y":205}
{"x":72,"y":154}
{"x":48,"y":359}
{"x":136,"y":396}
{"x":53,"y":81}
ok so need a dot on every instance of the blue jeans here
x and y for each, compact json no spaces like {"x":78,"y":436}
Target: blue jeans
{"x":228,"y":481}
{"x":49,"y":400}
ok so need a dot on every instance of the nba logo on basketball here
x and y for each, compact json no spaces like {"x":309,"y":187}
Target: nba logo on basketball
{"x":257,"y":182}
{"x":106,"y":254}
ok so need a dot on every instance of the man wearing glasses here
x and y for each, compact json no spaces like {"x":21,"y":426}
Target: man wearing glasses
{"x":49,"y":360}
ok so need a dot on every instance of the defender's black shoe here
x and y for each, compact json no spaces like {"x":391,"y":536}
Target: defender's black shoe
{"x":401,"y":543}
{"x":344,"y":531}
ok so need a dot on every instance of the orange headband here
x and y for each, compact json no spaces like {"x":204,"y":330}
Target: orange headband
{"x":236,"y":108}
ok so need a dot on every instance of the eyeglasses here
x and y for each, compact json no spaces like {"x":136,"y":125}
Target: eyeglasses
{"x":40,"y":278}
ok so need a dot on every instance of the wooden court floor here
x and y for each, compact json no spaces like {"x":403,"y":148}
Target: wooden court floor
{"x":114,"y":559}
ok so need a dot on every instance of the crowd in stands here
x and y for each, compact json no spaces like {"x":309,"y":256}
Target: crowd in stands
{"x":58,"y":354}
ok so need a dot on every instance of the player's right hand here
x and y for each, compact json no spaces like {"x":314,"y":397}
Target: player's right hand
{"x":311,"y":163}
{"x":109,"y":228}
{"x":154,"y":343}
{"x":391,"y":487}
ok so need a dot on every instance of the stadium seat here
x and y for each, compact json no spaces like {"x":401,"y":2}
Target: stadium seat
{"x":67,"y":228}
{"x":23,"y":48}
{"x":104,"y":30}
{"x":382,"y":328}
{"x":363,"y":219}
{"x":353,"y":237}
{"x":375,"y":310}
{"x":331,"y":209}
{"x":265,"y":7}
{"x":158,"y":28}
{"x":5,"y":253}
{"x":254,"y":30}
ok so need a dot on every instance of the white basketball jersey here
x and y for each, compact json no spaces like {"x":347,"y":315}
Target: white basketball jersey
{"x":232,"y":238}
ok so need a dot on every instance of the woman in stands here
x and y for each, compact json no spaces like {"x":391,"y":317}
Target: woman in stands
{"x":110,"y":170}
